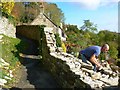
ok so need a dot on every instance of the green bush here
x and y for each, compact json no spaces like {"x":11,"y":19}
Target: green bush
{"x":58,"y":40}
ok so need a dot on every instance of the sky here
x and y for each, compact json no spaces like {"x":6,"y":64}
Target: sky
{"x":104,"y":13}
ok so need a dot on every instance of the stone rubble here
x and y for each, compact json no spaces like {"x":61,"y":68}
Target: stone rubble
{"x":81,"y":69}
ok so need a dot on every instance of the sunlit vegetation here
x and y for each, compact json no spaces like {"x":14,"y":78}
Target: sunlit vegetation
{"x":87,"y":35}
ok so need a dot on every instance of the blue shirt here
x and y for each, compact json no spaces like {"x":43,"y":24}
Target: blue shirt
{"x":88,"y":52}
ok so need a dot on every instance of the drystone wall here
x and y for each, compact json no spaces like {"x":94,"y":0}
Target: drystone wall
{"x":70,"y":71}
{"x":7,"y":28}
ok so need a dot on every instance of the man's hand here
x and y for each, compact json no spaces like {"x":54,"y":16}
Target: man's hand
{"x":94,"y":60}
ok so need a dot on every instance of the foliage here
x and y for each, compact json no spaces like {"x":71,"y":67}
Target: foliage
{"x":73,"y":39}
{"x":7,"y":54}
{"x":89,"y":26}
{"x":25,"y":12}
{"x":58,"y":40}
{"x":18,"y":10}
{"x":54,"y":13}
{"x":118,"y":62}
{"x":85,"y":38}
{"x":112,"y":39}
{"x":7,"y":6}
{"x":113,"y":49}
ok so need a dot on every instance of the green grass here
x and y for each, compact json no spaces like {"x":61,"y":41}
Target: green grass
{"x":10,"y":49}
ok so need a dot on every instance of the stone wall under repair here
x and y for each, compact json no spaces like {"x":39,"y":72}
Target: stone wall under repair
{"x":70,"y":71}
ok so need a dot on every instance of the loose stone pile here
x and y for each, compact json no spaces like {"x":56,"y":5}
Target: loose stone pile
{"x":72,"y":72}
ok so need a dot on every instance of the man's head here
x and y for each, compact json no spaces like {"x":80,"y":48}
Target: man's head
{"x":105,"y":48}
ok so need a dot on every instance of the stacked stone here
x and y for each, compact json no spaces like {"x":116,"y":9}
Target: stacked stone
{"x":72,"y":72}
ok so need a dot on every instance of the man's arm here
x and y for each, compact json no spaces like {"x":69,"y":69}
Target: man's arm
{"x":94,"y":60}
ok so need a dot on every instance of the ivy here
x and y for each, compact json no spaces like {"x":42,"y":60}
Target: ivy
{"x":58,"y":40}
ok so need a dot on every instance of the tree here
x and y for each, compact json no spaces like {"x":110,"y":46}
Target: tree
{"x":31,"y":11}
{"x":18,"y":10}
{"x":73,"y":28}
{"x":112,"y":39}
{"x":89,"y":26}
{"x":54,"y":13}
{"x":25,"y":12}
{"x":113,"y":49}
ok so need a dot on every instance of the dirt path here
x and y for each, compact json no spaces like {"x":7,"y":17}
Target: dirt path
{"x":32,"y":73}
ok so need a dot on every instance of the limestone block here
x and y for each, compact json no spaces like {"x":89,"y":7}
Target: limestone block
{"x":2,"y":81}
{"x":96,"y":76}
{"x":77,"y":65}
{"x":87,"y":66}
{"x":46,"y":32}
{"x":87,"y":79}
{"x":103,"y":75}
{"x":10,"y":73}
{"x":6,"y":77}
{"x":69,"y":60}
{"x":53,"y":54}
{"x":110,"y":81}
{"x":74,"y":69}
{"x":48,"y":29}
{"x":3,"y":63}
{"x":91,"y":72}
{"x":79,"y":72}
{"x":105,"y":64}
{"x":114,"y":74}
{"x":52,"y":49}
{"x":71,"y":65}
{"x":53,"y":36}
{"x":49,"y":41}
{"x":115,"y":68}
{"x":79,"y":60}
{"x":60,"y":49}
{"x":47,"y":36}
{"x":106,"y":71}
{"x":98,"y":84}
